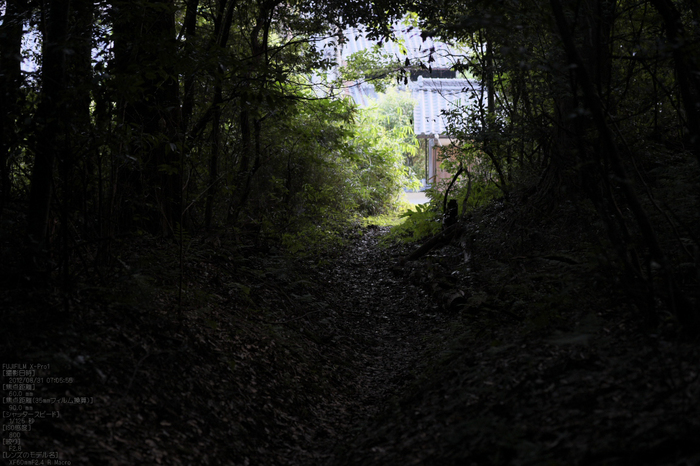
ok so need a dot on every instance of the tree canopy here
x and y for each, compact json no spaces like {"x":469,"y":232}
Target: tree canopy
{"x":157,"y":116}
{"x":596,"y":103}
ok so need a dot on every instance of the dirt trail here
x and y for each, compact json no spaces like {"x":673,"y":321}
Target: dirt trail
{"x":279,"y":362}
{"x":382,"y":321}
{"x":282,"y":362}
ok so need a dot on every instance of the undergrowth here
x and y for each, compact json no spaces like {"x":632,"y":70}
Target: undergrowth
{"x":420,"y":223}
{"x":424,"y":220}
{"x":391,"y":218}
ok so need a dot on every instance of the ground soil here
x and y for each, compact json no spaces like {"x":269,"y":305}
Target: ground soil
{"x":506,"y":345}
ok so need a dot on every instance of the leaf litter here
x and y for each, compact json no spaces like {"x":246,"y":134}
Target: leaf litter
{"x":472,"y":354}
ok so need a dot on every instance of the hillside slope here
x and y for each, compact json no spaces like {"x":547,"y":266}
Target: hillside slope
{"x":510,"y":345}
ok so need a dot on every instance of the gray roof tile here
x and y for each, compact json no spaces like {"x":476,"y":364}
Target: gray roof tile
{"x":432,"y":97}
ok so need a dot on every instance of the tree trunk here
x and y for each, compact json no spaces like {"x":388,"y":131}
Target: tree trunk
{"x":250,"y":120}
{"x":10,"y":82}
{"x":215,"y":140}
{"x":190,"y":27}
{"x":221,"y":35}
{"x":675,"y":299}
{"x":488,"y":120}
{"x":686,"y":62}
{"x":53,"y":118}
{"x":146,"y":54}
{"x":78,"y":170}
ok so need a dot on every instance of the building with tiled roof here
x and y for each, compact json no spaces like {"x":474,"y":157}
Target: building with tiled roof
{"x":433,"y":83}
{"x":433,"y":97}
{"x":410,"y":44}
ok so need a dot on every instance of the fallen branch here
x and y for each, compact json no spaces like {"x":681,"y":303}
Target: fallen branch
{"x":444,"y":236}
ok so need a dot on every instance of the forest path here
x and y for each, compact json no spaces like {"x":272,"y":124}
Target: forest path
{"x":384,"y":323}
{"x":275,"y":360}
{"x":349,"y":359}
{"x":345,"y":360}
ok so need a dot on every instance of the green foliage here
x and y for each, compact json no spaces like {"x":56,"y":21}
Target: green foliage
{"x":391,"y":218}
{"x":314,"y":239}
{"x":480,"y":146}
{"x":396,"y":110}
{"x":475,"y":185}
{"x":420,"y":223}
{"x":481,"y":194}
{"x":196,"y":113}
{"x":332,"y":162}
{"x":371,"y":65}
{"x":302,"y":188}
{"x":377,"y":165}
{"x":476,"y":194}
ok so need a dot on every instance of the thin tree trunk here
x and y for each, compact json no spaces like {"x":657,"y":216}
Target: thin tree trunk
{"x":676,"y":300}
{"x":10,"y":82}
{"x":145,"y":44}
{"x":489,"y":119}
{"x":215,"y":140}
{"x":221,"y":33}
{"x":52,"y":116}
{"x":190,"y":28}
{"x":687,"y":66}
{"x":250,"y":121}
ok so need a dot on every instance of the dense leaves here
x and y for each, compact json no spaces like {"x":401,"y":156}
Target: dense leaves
{"x":165,"y":117}
{"x":587,"y":100}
